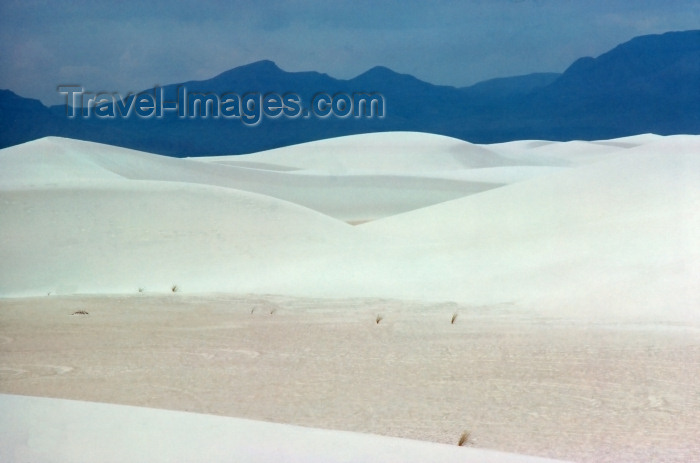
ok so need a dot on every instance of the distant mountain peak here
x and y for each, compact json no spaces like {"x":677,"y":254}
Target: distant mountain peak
{"x":263,"y":65}
{"x":382,"y":75}
{"x":381,"y":69}
{"x":382,"y":72}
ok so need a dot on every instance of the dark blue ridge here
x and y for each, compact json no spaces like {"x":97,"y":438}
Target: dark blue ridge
{"x":648,"y":84}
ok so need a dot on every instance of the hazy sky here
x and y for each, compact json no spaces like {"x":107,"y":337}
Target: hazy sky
{"x":132,"y":45}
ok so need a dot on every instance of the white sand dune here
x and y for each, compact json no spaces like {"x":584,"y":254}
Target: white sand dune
{"x":383,"y":152}
{"x":355,"y":197}
{"x":621,"y":229}
{"x":53,"y":430}
{"x":620,"y":233}
{"x":80,"y":217}
{"x":568,"y":154}
{"x":590,"y":233}
{"x":118,"y":236}
{"x":385,"y":173}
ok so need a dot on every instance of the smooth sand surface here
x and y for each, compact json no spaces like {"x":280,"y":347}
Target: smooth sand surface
{"x":65,"y":431}
{"x":519,"y":382}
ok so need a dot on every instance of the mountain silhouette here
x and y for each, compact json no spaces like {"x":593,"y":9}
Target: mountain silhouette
{"x":648,"y":84}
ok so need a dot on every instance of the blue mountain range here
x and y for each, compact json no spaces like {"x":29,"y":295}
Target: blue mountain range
{"x":648,"y":84}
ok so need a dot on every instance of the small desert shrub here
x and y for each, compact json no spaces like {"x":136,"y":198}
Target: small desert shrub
{"x":174,"y":288}
{"x":464,"y":439}
{"x":141,"y":290}
{"x":80,"y":312}
{"x":272,"y":312}
{"x":454,"y":318}
{"x":379,"y":318}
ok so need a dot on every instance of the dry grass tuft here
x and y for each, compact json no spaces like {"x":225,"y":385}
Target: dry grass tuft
{"x":454,"y":318}
{"x":379,"y":318}
{"x":464,"y":439}
{"x":174,"y":288}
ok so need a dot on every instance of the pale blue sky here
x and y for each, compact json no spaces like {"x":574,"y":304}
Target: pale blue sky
{"x":132,"y":45}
